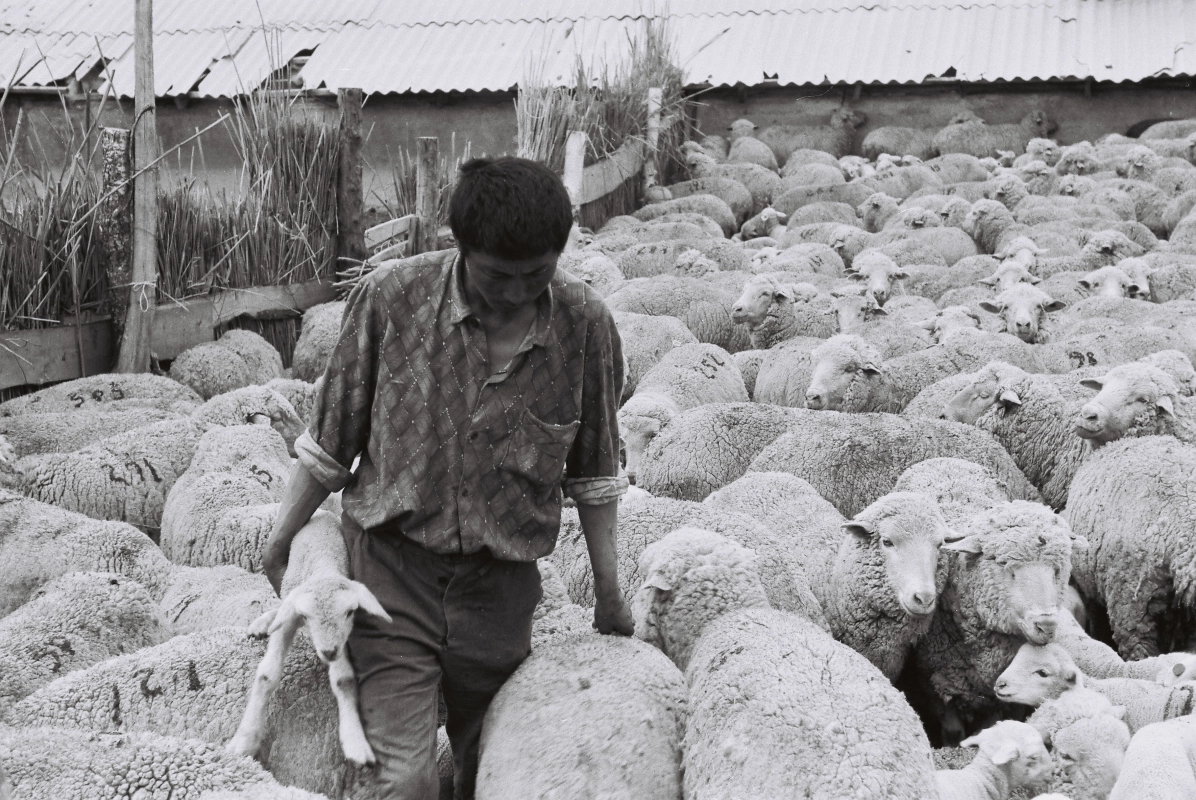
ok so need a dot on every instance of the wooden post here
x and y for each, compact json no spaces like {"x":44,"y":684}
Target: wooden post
{"x":139,"y":317}
{"x":654,"y":102}
{"x":575,"y":159}
{"x":350,"y":199}
{"x":427,"y":195}
{"x":116,"y":224}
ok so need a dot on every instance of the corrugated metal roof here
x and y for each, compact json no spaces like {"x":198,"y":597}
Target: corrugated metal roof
{"x":464,"y":45}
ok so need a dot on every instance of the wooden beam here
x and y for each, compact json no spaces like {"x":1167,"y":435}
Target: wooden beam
{"x":139,"y":316}
{"x":427,"y":194}
{"x":350,"y":198}
{"x":47,"y":355}
{"x":655,"y":96}
{"x":382,"y":234}
{"x":604,"y":177}
{"x":116,"y":223}
{"x":575,"y":158}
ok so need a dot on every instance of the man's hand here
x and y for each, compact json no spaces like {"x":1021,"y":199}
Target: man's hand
{"x":274,"y":561}
{"x":612,"y":614}
{"x":300,"y":499}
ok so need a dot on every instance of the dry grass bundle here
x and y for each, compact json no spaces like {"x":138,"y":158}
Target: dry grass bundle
{"x":403,"y":181}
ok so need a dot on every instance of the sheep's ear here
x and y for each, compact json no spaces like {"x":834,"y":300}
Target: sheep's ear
{"x":927,"y":324}
{"x":968,"y":545}
{"x":1164,"y":404}
{"x":989,"y":281}
{"x":258,"y":418}
{"x":658,"y":582}
{"x":1084,"y":283}
{"x":1009,"y":399}
{"x":1004,"y":753}
{"x":855,"y":276}
{"x":870,"y":369}
{"x":1096,"y":384}
{"x":1035,"y":280}
{"x":877,"y":312}
{"x":1055,"y":305}
{"x":971,"y":741}
{"x":782,"y":218}
{"x":368,"y":603}
{"x":859,"y":528}
{"x":991,"y":307}
{"x":900,"y":275}
{"x":287,"y":614}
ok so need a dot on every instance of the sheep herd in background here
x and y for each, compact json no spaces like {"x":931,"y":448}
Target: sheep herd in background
{"x":913,"y":443}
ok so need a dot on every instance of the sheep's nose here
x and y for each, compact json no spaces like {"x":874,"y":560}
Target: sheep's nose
{"x":737,"y":308}
{"x":631,"y":478}
{"x":1001,"y":685}
{"x":1045,"y":628}
{"x":815,"y":400}
{"x":1089,"y":414}
{"x":329,"y":653}
{"x":924,"y":598}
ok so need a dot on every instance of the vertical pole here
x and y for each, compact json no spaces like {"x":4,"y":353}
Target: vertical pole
{"x":116,"y":225}
{"x":139,"y":317}
{"x":350,"y":198}
{"x":654,"y":103}
{"x":427,"y":195}
{"x":575,"y":159}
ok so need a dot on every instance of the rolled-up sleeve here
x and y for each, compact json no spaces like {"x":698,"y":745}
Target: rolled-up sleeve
{"x":592,"y":468}
{"x":339,"y":425}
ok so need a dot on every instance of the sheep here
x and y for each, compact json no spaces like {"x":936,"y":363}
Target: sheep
{"x":774,"y":311}
{"x":1080,"y":158}
{"x":1178,"y":208}
{"x":784,"y":372}
{"x":686,"y":377}
{"x":795,"y":175}
{"x":64,"y":431}
{"x":106,"y":392}
{"x":836,"y":138}
{"x":737,"y":196}
{"x":210,"y":370}
{"x":201,"y":598}
{"x":961,"y":489}
{"x":851,"y":459}
{"x":707,"y":205}
{"x":263,"y":361}
{"x":748,"y":149}
{"x":1132,"y":501}
{"x":674,"y":257}
{"x":852,"y":167}
{"x":595,"y":269}
{"x":911,"y":308}
{"x":793,"y":199}
{"x":860,"y":314}
{"x":899,"y":141}
{"x":1023,"y":307}
{"x":763,"y":184}
{"x":798,"y":725}
{"x":584,"y":715}
{"x":902,"y":182}
{"x":878,"y":272}
{"x":876,"y":211}
{"x":1010,"y":756}
{"x":71,"y":623}
{"x":979,"y":139}
{"x":848,"y":375}
{"x":1157,"y":763}
{"x":811,"y":257}
{"x":1039,"y":149}
{"x":300,"y":394}
{"x":1089,"y":754}
{"x":1136,"y":399}
{"x":1109,"y":282}
{"x":717,"y":146}
{"x":1170,"y":281}
{"x":823,"y":212}
{"x":54,"y":764}
{"x":705,"y":309}
{"x":1004,"y":584}
{"x":1039,"y":673}
{"x":768,"y":222}
{"x":646,"y":339}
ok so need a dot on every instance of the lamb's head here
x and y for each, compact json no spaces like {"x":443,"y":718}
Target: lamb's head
{"x":1014,"y":562}
{"x":847,"y":117}
{"x":877,"y":272}
{"x":901,"y":534}
{"x":992,"y":386}
{"x":1072,"y":185}
{"x":1039,"y":672}
{"x":1089,"y":753}
{"x":855,"y":309}
{"x":854,"y":167}
{"x":875,"y":210}
{"x":326,"y":604}
{"x":1010,"y":273}
{"x":949,"y":320}
{"x":1044,"y":150}
{"x":692,"y":577}
{"x":1039,"y":124}
{"x":761,"y":257}
{"x":1008,"y":190}
{"x":913,"y":219}
{"x":1139,"y":271}
{"x":762,"y":296}
{"x":764,"y":224}
{"x":1005,"y":158}
{"x":849,"y":241}
{"x":1139,"y":163}
{"x":741,"y":128}
{"x":253,"y":405}
{"x":1109,"y":282}
{"x":886,"y":162}
{"x":954,"y":212}
{"x":700,"y":162}
{"x":1023,"y":308}
{"x":1017,"y":749}
{"x":1039,"y":178}
{"x":839,"y":365}
{"x":691,"y":263}
{"x":641,"y":418}
{"x":1128,"y":396}
{"x":1078,"y":159}
{"x":1106,"y":248}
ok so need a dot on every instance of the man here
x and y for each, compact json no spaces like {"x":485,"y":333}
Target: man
{"x":473,"y":385}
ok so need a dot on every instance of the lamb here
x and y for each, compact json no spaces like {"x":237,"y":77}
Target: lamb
{"x":774,"y":312}
{"x":737,"y":196}
{"x":1039,"y":149}
{"x":1023,"y":307}
{"x":1132,"y":501}
{"x":260,"y":357}
{"x":1136,"y":399}
{"x":1039,"y":673}
{"x":705,"y":204}
{"x":762,"y":182}
{"x":980,"y":139}
{"x":812,"y":737}
{"x":54,"y":763}
{"x":300,"y":394}
{"x":210,"y":370}
{"x":1089,"y":755}
{"x":686,"y":377}
{"x":64,"y":431}
{"x":646,"y":339}
{"x":595,"y":269}
{"x":1157,"y":763}
{"x":1005,"y":580}
{"x":705,"y":309}
{"x":71,"y":623}
{"x":1109,"y":282}
{"x":316,"y":594}
{"x":768,"y":222}
{"x":584,"y":715}
{"x":836,"y":138}
{"x":793,"y":199}
{"x":878,"y":272}
{"x":795,"y":175}
{"x":748,"y":149}
{"x":852,"y":167}
{"x":107,"y":392}
{"x":1010,"y":756}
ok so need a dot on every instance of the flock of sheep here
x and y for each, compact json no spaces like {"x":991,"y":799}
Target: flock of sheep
{"x":912,"y":438}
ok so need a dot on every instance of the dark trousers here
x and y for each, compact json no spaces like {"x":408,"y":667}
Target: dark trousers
{"x":463,"y":622}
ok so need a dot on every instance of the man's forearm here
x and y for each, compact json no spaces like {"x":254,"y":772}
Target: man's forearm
{"x":599,"y":524}
{"x":302,"y":496}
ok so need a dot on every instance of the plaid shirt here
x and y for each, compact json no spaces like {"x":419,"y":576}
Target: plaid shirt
{"x":452,"y":457}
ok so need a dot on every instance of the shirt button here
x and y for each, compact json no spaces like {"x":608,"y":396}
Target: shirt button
{"x":473,"y":436}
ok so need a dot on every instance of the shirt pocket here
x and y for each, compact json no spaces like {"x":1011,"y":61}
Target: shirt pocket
{"x":536,"y":450}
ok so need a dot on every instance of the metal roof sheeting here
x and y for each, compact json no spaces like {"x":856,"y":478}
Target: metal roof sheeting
{"x":219,"y":46}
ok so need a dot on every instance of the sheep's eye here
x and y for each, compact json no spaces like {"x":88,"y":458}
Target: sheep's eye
{"x":851,"y":368}
{"x":349,"y":613}
{"x":886,"y":541}
{"x":1042,"y":673}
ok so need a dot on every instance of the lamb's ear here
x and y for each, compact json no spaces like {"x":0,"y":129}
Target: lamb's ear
{"x":1034,"y":280}
{"x":968,"y":545}
{"x":1004,"y":753}
{"x":855,"y":276}
{"x":287,"y":614}
{"x":658,"y":582}
{"x":1054,"y":305}
{"x":989,"y":281}
{"x":782,"y":218}
{"x":900,"y":275}
{"x":1008,"y":399}
{"x":991,"y":307}
{"x":1095,"y":384}
{"x":859,"y":528}
{"x":1164,"y":405}
{"x":869,"y":368}
{"x":971,"y":741}
{"x":368,"y":603}
{"x":1084,"y":283}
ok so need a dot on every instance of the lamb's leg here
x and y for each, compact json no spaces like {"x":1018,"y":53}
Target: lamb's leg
{"x":248,"y":738}
{"x":344,"y":689}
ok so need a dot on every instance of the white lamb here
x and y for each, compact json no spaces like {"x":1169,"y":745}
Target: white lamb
{"x":1011,"y":756}
{"x":317,"y":593}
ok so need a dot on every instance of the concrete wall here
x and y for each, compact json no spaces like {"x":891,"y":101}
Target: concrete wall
{"x":1110,"y":108}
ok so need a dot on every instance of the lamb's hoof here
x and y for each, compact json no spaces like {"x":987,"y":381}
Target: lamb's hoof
{"x":359,"y":753}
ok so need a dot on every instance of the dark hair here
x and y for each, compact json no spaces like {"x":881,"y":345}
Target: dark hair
{"x":510,"y":208}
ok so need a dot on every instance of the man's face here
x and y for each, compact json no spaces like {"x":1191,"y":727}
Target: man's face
{"x":506,"y":285}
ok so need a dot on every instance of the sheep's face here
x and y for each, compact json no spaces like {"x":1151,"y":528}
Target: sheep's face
{"x":1012,"y":272}
{"x":1129,"y":396}
{"x":1017,"y":749}
{"x":1045,"y":150}
{"x":875,"y":207}
{"x":855,"y":311}
{"x":948,"y":321}
{"x":1109,"y":247}
{"x":1037,"y":673}
{"x":741,"y":128}
{"x":846,"y":116}
{"x":877,"y":272}
{"x":1009,"y":190}
{"x":327,"y":606}
{"x":905,"y":530}
{"x":1090,"y":753}
{"x":1108,"y":282}
{"x":636,"y":431}
{"x":1023,"y":307}
{"x":839,"y":365}
{"x":759,"y":298}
